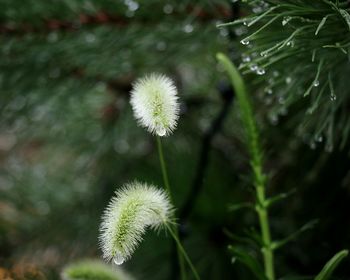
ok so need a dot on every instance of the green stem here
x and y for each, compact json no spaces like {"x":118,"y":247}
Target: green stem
{"x":262,"y":211}
{"x":163,"y":167}
{"x":167,"y":187}
{"x":182,"y":250}
{"x":267,"y":250}
{"x":256,"y":162}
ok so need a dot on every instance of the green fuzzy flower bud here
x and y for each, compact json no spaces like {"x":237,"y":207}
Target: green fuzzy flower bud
{"x":135,"y":207}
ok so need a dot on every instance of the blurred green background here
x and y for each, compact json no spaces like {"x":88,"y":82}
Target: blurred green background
{"x":68,"y":140}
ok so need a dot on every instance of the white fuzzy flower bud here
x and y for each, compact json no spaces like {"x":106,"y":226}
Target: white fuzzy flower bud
{"x":155,"y":104}
{"x":135,"y":207}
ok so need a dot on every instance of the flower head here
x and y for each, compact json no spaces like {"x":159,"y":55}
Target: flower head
{"x":155,"y":104}
{"x":134,"y":208}
{"x":93,"y":269}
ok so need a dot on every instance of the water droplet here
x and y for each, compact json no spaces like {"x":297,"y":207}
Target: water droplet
{"x":257,"y":10}
{"x":319,"y":138}
{"x":132,"y":5}
{"x":288,"y":80}
{"x":283,"y":111}
{"x":90,"y":38}
{"x":188,"y":28}
{"x":118,"y":259}
{"x":245,"y":58}
{"x":245,"y":23}
{"x":223,"y":32}
{"x":161,"y":46}
{"x":316,"y":83}
{"x":333,"y":97}
{"x":286,"y":20}
{"x":253,"y":67}
{"x":290,"y":43}
{"x":161,"y":131}
{"x":52,"y":37}
{"x":275,"y":73}
{"x":329,"y":147}
{"x":268,"y":91}
{"x":312,"y":145}
{"x":245,"y":42}
{"x":168,"y":9}
{"x":273,"y":119}
{"x":260,"y":71}
{"x":239,"y":31}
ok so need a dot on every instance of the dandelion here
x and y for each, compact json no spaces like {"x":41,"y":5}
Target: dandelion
{"x":155,"y":104}
{"x":134,"y":208}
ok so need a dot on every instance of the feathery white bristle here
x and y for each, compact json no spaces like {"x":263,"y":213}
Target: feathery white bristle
{"x":155,"y":104}
{"x":134,"y":208}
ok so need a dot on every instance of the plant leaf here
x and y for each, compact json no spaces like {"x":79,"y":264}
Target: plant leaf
{"x":252,"y":264}
{"x":346,"y":16}
{"x":307,"y":226}
{"x":323,"y":21}
{"x":279,"y":197}
{"x":239,"y":206}
{"x":329,"y":267}
{"x":254,"y":235}
{"x":248,"y":239}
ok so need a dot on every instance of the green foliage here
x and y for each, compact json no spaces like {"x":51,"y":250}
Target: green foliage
{"x":250,"y":261}
{"x":262,"y":203}
{"x":308,"y":226}
{"x":93,"y":270}
{"x":300,"y":53}
{"x":254,"y":148}
{"x":331,"y":265}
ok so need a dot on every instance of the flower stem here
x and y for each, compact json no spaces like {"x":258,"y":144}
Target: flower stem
{"x":267,"y":250}
{"x":251,"y":130}
{"x":182,"y":250}
{"x":179,"y":247}
{"x":163,"y":167}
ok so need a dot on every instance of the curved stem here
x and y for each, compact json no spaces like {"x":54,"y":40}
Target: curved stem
{"x":261,"y":204}
{"x":167,"y":187}
{"x":183,"y":252}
